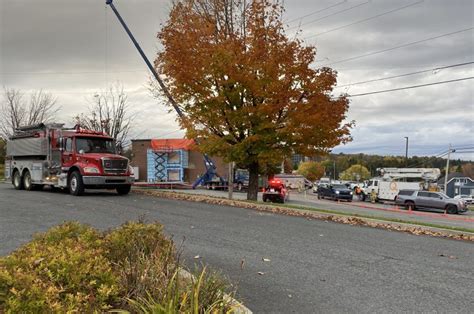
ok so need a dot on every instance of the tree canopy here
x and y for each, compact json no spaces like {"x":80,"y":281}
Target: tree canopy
{"x":249,"y":93}
{"x":355,"y":173}
{"x":312,"y":170}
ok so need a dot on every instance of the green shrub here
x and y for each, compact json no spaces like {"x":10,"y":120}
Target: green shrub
{"x":60,"y":270}
{"x":143,"y":258}
{"x":200,"y":293}
{"x":74,"y":268}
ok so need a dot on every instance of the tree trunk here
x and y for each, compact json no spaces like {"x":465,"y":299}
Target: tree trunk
{"x":252,"y":192}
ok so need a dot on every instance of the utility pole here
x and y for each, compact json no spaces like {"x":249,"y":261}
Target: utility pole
{"x":334,"y":164}
{"x":447,"y":171}
{"x":406,"y":152}
{"x":230,"y":181}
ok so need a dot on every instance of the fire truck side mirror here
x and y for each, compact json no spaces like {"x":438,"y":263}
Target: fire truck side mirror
{"x":61,"y":144}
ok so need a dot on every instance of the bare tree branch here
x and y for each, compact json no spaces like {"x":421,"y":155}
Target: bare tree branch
{"x":110,"y":113}
{"x":16,"y":112}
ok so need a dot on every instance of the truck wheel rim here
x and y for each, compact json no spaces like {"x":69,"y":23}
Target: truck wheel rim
{"x":73,"y":184}
{"x":17,"y":179}
{"x":27,"y":180}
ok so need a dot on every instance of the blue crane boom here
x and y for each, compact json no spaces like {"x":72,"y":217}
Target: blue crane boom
{"x":211,"y":170}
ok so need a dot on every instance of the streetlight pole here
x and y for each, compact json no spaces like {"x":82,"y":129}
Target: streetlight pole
{"x":406,"y":152}
{"x":450,"y":150}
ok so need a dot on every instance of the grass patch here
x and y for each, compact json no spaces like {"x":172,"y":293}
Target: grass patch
{"x":335,"y":212}
{"x":134,"y":268}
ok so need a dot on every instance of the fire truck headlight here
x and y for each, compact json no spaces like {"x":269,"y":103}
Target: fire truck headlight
{"x":91,"y":170}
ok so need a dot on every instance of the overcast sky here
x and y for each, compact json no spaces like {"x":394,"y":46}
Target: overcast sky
{"x":75,"y":48}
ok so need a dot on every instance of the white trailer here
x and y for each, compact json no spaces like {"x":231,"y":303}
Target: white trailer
{"x":294,"y":181}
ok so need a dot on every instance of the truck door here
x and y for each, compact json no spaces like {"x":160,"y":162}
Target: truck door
{"x":436,"y":201}
{"x":423,"y":199}
{"x":68,"y":153}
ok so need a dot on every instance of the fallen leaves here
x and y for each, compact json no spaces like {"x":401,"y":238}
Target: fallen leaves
{"x":266,"y":259}
{"x":275,"y":209}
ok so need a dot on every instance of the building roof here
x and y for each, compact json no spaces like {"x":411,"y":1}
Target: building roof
{"x":172,"y":144}
{"x":453,"y":175}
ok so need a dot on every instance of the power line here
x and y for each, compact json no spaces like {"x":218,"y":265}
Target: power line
{"x":364,"y":20}
{"x":466,"y":152}
{"x":315,"y":12}
{"x":461,"y":149}
{"x":399,"y":46}
{"x":406,"y":74}
{"x":329,"y":15}
{"x":411,"y":87}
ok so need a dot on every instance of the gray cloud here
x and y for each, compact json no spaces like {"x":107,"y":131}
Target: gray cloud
{"x":76,"y":48}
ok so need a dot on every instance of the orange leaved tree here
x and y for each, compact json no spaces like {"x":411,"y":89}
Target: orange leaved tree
{"x":248,"y":91}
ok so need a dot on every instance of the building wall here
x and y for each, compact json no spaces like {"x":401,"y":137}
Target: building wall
{"x":139,"y":157}
{"x":191,"y":173}
{"x":455,"y":187}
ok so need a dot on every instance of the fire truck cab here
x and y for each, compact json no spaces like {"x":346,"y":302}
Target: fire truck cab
{"x":73,"y":159}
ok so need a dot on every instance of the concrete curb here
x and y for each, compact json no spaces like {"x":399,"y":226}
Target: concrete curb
{"x":314,"y":214}
{"x":238,"y":307}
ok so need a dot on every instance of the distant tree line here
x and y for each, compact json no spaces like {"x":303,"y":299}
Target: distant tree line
{"x":2,"y":150}
{"x":341,"y":162}
{"x":359,"y":167}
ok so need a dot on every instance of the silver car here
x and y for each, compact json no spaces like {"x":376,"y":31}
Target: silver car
{"x":430,"y":200}
{"x":468,"y":199}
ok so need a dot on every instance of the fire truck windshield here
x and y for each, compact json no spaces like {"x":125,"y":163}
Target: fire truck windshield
{"x":94,"y":145}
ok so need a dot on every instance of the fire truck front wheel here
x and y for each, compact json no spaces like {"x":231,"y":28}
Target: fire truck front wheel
{"x":76,"y":185}
{"x":17,"y":180}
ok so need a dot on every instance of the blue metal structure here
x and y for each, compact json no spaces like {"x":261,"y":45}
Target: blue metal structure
{"x":210,"y":166}
{"x":161,"y":166}
{"x":210,"y":174}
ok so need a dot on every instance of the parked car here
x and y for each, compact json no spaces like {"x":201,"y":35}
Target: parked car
{"x":335,"y":191}
{"x":468,"y":199}
{"x":430,"y":200}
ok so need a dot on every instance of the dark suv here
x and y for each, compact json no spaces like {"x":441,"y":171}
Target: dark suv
{"x":430,"y":200}
{"x":336,"y":192}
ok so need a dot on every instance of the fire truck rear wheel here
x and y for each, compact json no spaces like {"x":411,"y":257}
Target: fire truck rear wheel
{"x":27,"y":181}
{"x":28,"y":185}
{"x":76,"y":185}
{"x":124,"y":190}
{"x":17,"y":180}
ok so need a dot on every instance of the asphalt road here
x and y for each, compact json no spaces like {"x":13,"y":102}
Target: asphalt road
{"x":315,"y":266}
{"x":464,"y":220}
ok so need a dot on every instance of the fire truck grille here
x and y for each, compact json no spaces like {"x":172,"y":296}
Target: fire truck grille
{"x":115,"y":166}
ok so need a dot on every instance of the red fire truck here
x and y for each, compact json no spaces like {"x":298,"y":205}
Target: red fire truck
{"x":73,"y":159}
